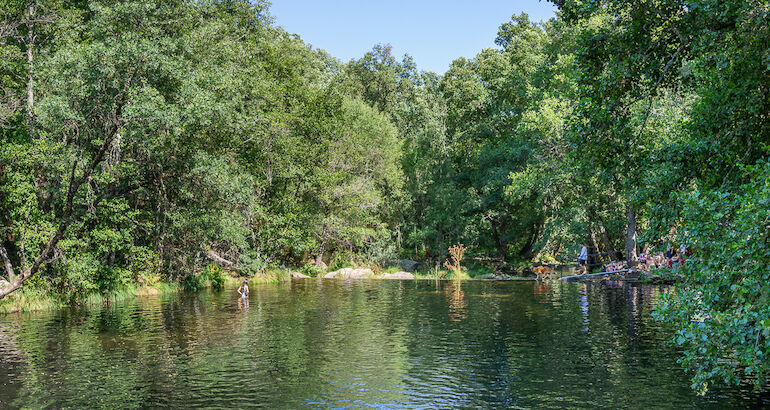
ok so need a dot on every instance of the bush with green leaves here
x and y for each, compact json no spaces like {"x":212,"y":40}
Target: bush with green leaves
{"x":721,"y":309}
{"x":216,"y":276}
{"x":311,"y":270}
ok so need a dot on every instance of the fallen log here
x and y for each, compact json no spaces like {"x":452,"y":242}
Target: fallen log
{"x":218,"y":259}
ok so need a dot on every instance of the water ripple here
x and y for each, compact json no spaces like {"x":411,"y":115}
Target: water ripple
{"x":355,"y":344}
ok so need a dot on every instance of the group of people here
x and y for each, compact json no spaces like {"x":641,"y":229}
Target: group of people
{"x":670,"y":258}
{"x":615,"y":266}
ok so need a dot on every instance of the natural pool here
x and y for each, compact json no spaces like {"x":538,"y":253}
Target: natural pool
{"x":334,"y":343}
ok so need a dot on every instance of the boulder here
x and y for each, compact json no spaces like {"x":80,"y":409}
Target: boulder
{"x":297,"y":275}
{"x":398,"y":275}
{"x":409,"y":265}
{"x":350,"y":273}
{"x":331,"y":275}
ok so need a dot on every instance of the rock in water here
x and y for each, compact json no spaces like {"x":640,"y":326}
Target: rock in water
{"x":297,"y":275}
{"x":350,"y":273}
{"x":409,"y":265}
{"x":398,"y":275}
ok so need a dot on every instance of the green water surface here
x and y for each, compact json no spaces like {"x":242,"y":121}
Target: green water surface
{"x":361,"y":344}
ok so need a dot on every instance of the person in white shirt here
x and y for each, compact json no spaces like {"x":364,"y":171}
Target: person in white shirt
{"x":582,"y":258}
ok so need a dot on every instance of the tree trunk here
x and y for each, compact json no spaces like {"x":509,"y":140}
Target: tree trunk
{"x":68,"y":215}
{"x":498,"y":235}
{"x":526,"y":250}
{"x":631,"y":236}
{"x":319,"y":256}
{"x":595,"y":245}
{"x":30,"y":88}
{"x":605,"y":244}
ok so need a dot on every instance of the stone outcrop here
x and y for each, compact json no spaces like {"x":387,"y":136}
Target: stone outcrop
{"x":398,"y":275}
{"x":409,"y":265}
{"x":350,"y":273}
{"x":297,"y":275}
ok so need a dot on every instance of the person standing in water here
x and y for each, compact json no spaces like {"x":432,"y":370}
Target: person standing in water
{"x":582,"y":258}
{"x":243,"y":290}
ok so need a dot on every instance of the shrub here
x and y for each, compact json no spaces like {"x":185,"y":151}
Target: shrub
{"x":192,"y":282}
{"x":341,"y":262}
{"x":456,"y":253}
{"x":215,"y":275}
{"x":721,"y":308}
{"x":250,"y":264}
{"x":310,"y":269}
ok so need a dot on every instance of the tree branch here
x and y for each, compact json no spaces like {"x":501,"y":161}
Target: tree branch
{"x":7,"y":262}
{"x":23,"y":239}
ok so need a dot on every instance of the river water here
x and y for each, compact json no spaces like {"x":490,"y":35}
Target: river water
{"x":334,"y":343}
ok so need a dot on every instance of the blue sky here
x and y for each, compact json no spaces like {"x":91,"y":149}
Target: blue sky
{"x":433,"y":32}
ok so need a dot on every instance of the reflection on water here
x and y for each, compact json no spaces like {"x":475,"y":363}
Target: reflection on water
{"x":584,"y":306}
{"x":456,"y":298}
{"x":336,"y":343}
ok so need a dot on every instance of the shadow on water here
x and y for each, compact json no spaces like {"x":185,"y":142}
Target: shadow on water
{"x":319,"y":343}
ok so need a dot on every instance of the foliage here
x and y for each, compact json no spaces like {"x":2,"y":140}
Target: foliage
{"x":214,"y":273}
{"x":194,"y":282}
{"x":311,"y":270}
{"x":721,"y":309}
{"x":671,"y":103}
{"x":169,"y":135}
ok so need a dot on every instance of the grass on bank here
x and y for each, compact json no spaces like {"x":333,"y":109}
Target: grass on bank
{"x":30,"y":298}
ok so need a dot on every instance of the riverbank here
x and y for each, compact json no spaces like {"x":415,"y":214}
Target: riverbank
{"x":30,"y":299}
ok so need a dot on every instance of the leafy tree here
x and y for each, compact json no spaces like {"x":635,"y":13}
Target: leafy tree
{"x":687,"y":82}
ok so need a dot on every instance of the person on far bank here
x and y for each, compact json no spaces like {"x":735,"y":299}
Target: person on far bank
{"x":243,"y":290}
{"x":582,"y":258}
